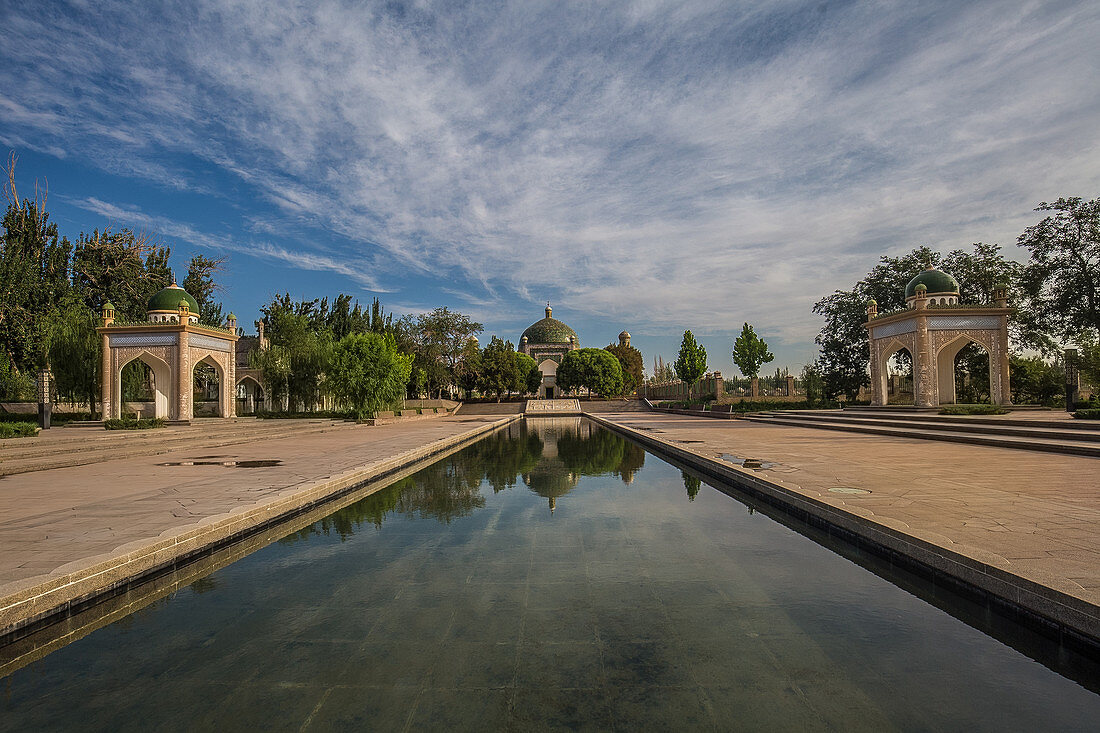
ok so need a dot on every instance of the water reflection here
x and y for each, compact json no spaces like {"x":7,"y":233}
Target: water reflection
{"x":549,"y":455}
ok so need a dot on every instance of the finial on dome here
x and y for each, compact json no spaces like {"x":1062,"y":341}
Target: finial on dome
{"x":549,"y":310}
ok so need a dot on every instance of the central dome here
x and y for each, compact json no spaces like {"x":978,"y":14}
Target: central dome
{"x":549,"y":331}
{"x":935,"y":281}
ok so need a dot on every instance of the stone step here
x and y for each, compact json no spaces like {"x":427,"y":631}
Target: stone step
{"x":51,"y":445}
{"x":877,"y":413}
{"x":69,"y":459}
{"x":1018,"y":428}
{"x":1045,"y":445}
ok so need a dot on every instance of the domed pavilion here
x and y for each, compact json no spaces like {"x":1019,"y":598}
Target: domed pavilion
{"x":934,"y":327}
{"x":172,"y":343}
{"x":547,"y":341}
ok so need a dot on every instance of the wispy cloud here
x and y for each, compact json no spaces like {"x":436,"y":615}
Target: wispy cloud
{"x":669,"y":164}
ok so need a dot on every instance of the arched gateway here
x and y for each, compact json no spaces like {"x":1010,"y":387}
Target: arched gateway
{"x":172,"y":342}
{"x":934,"y":328}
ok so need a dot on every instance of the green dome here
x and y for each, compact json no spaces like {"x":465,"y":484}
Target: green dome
{"x":937,"y":281}
{"x":549,"y":331}
{"x":169,"y":300}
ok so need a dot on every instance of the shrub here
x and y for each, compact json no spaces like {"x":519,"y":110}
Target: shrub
{"x":144,"y":423}
{"x":318,"y":415}
{"x":1088,"y":414}
{"x":17,"y":429}
{"x":973,"y":410}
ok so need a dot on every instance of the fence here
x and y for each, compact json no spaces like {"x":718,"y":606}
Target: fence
{"x":728,"y":391}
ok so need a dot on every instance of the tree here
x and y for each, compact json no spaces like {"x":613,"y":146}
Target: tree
{"x":1062,"y":278}
{"x":469,"y":367}
{"x":662,"y":372}
{"x":594,"y":369}
{"x":34,"y":278}
{"x":368,"y":373}
{"x":124,"y":267}
{"x":75,"y":352}
{"x":499,"y":369}
{"x":300,"y":351}
{"x":630,"y":361}
{"x":528,"y":376}
{"x":441,"y":336}
{"x":1034,"y":380}
{"x":750,"y":352}
{"x":691,"y":364}
{"x":812,"y":383}
{"x":200,"y":284}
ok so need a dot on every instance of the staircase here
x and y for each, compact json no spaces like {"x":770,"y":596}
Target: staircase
{"x":1051,"y":436}
{"x":66,"y":447}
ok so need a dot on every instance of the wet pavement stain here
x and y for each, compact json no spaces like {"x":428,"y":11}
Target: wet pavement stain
{"x":264,"y":463}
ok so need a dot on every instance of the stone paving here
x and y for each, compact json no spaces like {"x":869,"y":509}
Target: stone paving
{"x":53,"y":520}
{"x":1035,"y":514}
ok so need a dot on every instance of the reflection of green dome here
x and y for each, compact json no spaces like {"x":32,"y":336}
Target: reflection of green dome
{"x":169,"y":300}
{"x":549,"y":331}
{"x":936,"y":281}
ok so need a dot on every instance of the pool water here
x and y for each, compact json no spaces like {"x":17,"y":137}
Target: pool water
{"x":554,"y":575}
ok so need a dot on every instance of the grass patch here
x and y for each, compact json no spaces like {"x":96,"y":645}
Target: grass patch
{"x":1091,"y":413}
{"x":973,"y":410}
{"x":141,"y":423}
{"x":752,"y":406}
{"x":18,"y":429}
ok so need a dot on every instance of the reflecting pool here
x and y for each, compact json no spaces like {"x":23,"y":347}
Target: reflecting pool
{"x":554,"y":575}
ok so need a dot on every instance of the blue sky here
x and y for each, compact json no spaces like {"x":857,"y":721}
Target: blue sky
{"x":653,"y":166}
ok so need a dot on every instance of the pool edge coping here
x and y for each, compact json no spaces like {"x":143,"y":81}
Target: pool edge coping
{"x":36,"y":600}
{"x":1042,"y":603}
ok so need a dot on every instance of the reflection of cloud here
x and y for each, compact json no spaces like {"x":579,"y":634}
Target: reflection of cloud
{"x":702,"y":163}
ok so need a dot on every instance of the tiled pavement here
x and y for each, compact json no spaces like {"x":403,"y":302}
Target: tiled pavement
{"x":1038,"y":512}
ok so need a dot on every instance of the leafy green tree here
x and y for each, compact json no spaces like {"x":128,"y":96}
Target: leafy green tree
{"x":201,"y":285}
{"x":813,"y":384}
{"x":594,"y":369}
{"x":691,"y":364}
{"x":123,"y":267}
{"x":499,"y":369}
{"x":526,"y":371}
{"x":75,"y":352}
{"x":1062,"y":278}
{"x":630,"y":361}
{"x":34,"y":279}
{"x":750,"y":352}
{"x":300,"y":350}
{"x":367,"y":372}
{"x":469,"y":367}
{"x":1034,"y":380}
{"x":441,"y":336}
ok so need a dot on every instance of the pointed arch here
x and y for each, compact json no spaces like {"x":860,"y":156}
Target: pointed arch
{"x":162,"y":383}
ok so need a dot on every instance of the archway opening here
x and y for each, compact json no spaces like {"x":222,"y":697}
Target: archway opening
{"x":250,"y":396}
{"x":206,"y":386}
{"x":143,"y":388}
{"x":963,"y":367}
{"x":899,"y":377}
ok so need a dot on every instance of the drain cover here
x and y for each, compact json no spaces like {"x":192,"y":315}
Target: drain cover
{"x":848,"y":490}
